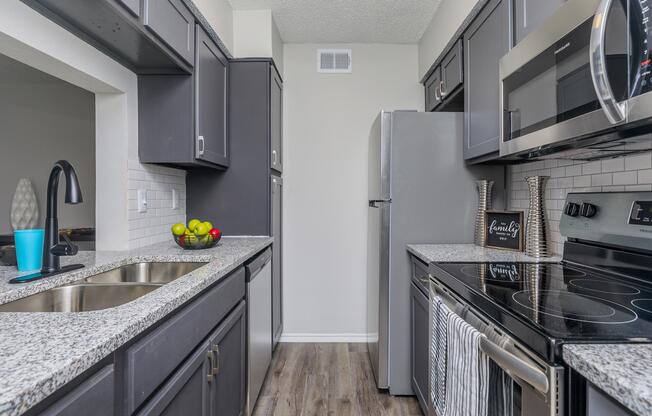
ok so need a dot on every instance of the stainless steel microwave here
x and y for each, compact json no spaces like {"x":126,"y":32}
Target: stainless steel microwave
{"x":580,"y":81}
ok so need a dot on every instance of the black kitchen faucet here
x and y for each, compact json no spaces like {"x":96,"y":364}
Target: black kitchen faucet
{"x":52,"y":248}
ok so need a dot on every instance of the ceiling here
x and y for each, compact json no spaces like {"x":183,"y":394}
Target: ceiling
{"x":347,"y":21}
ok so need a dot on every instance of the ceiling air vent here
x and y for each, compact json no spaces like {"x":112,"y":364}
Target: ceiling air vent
{"x":336,"y":61}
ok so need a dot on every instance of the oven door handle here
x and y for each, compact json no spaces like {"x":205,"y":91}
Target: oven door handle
{"x":515,"y":366}
{"x":616,"y":112}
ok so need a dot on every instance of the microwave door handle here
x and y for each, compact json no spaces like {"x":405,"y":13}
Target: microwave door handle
{"x":615,"y":111}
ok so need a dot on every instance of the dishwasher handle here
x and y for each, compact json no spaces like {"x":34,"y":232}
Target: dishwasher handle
{"x":254,"y":266}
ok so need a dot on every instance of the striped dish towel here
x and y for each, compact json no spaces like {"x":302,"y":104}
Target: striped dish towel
{"x":467,"y":371}
{"x":438,"y":348}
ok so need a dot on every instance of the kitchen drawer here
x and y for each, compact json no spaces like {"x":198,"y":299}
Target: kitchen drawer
{"x":420,"y":275}
{"x":152,"y":359}
{"x":173,"y":23}
{"x":93,"y":396}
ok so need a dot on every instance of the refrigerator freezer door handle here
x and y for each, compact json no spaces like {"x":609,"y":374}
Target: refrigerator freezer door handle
{"x":373,"y":203}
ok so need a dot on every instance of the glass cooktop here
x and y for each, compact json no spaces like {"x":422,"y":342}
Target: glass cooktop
{"x":560,"y":302}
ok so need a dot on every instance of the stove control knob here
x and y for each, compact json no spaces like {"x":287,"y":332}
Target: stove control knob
{"x":588,"y":210}
{"x":572,"y":209}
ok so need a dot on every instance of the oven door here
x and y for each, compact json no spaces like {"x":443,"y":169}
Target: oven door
{"x":520,"y":383}
{"x":567,"y":80}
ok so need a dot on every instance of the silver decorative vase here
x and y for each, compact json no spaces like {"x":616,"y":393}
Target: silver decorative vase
{"x":536,"y":237}
{"x":24,"y":207}
{"x":484,"y":204}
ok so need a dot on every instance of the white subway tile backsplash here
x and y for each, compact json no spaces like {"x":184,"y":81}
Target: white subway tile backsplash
{"x":637,"y":162}
{"x":630,"y":173}
{"x":154,"y":225}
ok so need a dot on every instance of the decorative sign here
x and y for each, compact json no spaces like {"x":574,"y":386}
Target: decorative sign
{"x":504,"y":230}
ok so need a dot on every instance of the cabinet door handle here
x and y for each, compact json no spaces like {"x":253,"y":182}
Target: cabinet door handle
{"x":216,"y":364}
{"x":274,"y":158}
{"x":438,"y":93}
{"x":441,"y":89}
{"x":200,"y":145}
{"x":210,"y":376}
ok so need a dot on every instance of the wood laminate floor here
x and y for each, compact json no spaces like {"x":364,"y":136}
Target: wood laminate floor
{"x":326,"y":379}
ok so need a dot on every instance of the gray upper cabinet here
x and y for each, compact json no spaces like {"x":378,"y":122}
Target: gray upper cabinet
{"x":132,"y":5}
{"x":173,"y":23}
{"x":452,"y":71}
{"x":276,"y":120}
{"x":486,"y":41}
{"x":155,"y":36}
{"x":419,"y":315}
{"x":211,"y":102}
{"x":183,"y":118}
{"x":433,"y":96}
{"x":277,"y":278}
{"x":529,"y":14}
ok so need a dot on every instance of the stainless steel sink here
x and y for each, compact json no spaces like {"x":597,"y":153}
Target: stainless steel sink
{"x":105,"y":290}
{"x":146,"y":272}
{"x":79,"y":298}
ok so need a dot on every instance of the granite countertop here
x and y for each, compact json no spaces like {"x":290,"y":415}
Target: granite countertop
{"x":40,"y":352}
{"x":470,"y":253}
{"x":620,"y":370}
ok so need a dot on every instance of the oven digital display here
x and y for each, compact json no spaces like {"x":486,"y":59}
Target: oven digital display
{"x":641,"y":213}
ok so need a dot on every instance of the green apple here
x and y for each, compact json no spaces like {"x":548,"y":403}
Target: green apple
{"x":202,"y":229}
{"x":192,"y":224}
{"x":178,"y":229}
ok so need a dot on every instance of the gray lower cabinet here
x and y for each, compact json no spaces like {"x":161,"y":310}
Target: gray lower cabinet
{"x":276,"y":120}
{"x":277,"y":259}
{"x":529,"y":14}
{"x":599,"y":404}
{"x":183,"y":118}
{"x":210,"y":382}
{"x":486,"y":41}
{"x":419,"y":312}
{"x":173,"y":23}
{"x":94,"y":396}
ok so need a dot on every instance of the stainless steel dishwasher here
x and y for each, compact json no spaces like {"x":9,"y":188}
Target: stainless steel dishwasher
{"x":259,"y":324}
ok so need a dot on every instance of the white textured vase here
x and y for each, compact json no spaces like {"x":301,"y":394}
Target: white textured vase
{"x":484,"y":188}
{"x":24,"y":207}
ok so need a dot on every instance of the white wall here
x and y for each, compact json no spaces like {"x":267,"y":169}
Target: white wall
{"x":219,"y":14}
{"x":255,"y":35}
{"x":447,"y":19}
{"x":327,"y":120}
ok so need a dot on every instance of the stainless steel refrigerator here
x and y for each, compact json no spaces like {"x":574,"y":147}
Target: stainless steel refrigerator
{"x":420,"y":191}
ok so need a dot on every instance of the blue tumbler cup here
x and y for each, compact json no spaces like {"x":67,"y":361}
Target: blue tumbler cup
{"x":29,"y":249}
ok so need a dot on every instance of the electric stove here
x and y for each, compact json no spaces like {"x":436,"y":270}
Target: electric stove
{"x":600,"y":292}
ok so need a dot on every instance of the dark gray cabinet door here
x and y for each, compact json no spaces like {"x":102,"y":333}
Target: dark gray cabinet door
{"x":276,"y":120}
{"x":173,"y":23}
{"x":211,"y":71}
{"x":433,"y":95}
{"x":419,"y":311}
{"x":187,"y":391}
{"x":452,"y":72}
{"x":94,"y":396}
{"x":277,"y":255}
{"x":529,"y":14}
{"x":486,"y":41}
{"x":132,"y":5}
{"x":228,"y":388}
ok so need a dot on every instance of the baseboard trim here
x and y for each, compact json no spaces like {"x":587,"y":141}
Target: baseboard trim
{"x":325,"y":338}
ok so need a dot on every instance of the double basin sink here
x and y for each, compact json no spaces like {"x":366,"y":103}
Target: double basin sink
{"x":104,"y":290}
